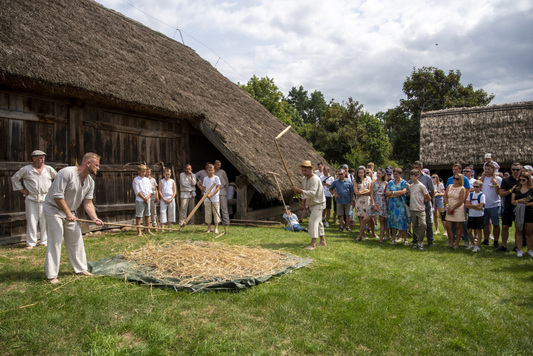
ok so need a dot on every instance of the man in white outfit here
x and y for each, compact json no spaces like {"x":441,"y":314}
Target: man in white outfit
{"x":187,"y":193}
{"x":224,"y":182}
{"x":313,"y":197}
{"x":33,"y":182}
{"x":72,"y":187}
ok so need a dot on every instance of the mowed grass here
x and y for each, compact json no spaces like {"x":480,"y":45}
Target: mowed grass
{"x":356,"y":298}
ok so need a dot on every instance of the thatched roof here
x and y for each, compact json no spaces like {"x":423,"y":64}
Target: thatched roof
{"x":82,"y":50}
{"x":465,"y":135}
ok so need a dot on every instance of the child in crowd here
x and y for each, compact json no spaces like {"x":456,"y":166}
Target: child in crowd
{"x":211,"y":203}
{"x":419,"y":196}
{"x":475,"y":201}
{"x":143,"y":190}
{"x":167,"y":206}
{"x":154,"y":198}
{"x":291,"y":221}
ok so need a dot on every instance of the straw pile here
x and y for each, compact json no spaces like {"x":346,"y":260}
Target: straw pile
{"x":199,"y":261}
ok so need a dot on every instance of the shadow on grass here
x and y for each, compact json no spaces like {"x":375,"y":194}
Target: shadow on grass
{"x":21,"y":276}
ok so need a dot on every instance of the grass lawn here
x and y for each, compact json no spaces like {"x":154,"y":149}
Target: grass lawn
{"x":356,"y":298}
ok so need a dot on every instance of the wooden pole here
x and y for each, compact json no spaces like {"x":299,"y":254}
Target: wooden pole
{"x":281,"y":156}
{"x":191,"y":214}
{"x":128,"y":225}
{"x":282,"y":199}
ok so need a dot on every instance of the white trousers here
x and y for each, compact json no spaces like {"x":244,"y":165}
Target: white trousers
{"x":186,"y":207}
{"x":57,"y":228}
{"x":167,"y":211}
{"x":316,"y":228}
{"x":34,"y":217}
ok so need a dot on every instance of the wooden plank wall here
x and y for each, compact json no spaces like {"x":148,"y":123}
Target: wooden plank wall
{"x":65,"y":132}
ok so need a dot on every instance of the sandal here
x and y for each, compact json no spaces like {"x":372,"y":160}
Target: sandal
{"x":340,"y":229}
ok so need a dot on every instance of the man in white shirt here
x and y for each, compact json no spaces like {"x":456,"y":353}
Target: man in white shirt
{"x":491,"y":190}
{"x":33,"y":181}
{"x":320,"y":170}
{"x":187,"y":193}
{"x":313,"y":196}
{"x":72,"y":187}
{"x":224,"y":182}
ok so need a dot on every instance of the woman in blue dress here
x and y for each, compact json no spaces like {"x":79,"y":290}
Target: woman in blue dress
{"x":397,"y":219}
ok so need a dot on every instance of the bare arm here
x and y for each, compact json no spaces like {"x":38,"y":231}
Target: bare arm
{"x":91,"y":211}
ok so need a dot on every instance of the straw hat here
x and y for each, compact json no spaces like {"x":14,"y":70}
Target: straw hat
{"x":306,"y":164}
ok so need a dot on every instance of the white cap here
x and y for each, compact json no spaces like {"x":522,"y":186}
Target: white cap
{"x":38,"y":153}
{"x":488,"y":155}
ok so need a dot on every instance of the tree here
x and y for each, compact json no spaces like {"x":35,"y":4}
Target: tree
{"x":267,"y":93}
{"x":428,"y":88}
{"x":310,"y":108}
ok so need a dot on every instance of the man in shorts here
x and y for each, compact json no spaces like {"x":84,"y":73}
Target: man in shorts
{"x":143,"y":191}
{"x":491,"y":189}
{"x":343,"y":189}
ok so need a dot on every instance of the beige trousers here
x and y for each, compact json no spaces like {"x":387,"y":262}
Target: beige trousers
{"x":316,"y":228}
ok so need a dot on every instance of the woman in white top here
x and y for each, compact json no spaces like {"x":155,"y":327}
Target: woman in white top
{"x":438,"y":203}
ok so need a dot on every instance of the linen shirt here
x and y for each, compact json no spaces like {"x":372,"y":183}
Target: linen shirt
{"x":313,"y":191}
{"x":141,"y":185}
{"x":223,"y":182}
{"x":36,"y":184}
{"x":187,"y":185}
{"x":167,"y":188}
{"x":69,"y":187}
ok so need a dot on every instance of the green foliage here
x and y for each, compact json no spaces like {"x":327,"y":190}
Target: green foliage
{"x":311,"y":109}
{"x":349,"y":135}
{"x":428,"y":88}
{"x":267,"y":93}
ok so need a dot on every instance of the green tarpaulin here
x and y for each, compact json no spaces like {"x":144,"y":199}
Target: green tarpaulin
{"x":120,"y":267}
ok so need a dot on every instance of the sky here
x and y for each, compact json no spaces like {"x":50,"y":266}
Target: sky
{"x":353,"y":48}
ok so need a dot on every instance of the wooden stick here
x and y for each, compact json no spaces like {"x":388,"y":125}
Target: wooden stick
{"x":282,"y":199}
{"x":283,"y":132}
{"x":128,"y":225}
{"x":197,"y":206}
{"x":281,"y":156}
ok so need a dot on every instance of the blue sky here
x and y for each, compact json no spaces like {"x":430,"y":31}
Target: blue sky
{"x":358,"y":49}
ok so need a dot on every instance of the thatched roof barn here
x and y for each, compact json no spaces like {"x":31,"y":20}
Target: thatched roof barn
{"x":465,"y":135}
{"x":76,"y":76}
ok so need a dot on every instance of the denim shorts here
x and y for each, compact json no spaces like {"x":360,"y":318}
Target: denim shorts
{"x":492,"y":215}
{"x":439,"y":202}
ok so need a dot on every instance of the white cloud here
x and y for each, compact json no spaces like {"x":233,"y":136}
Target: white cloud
{"x":362,"y":49}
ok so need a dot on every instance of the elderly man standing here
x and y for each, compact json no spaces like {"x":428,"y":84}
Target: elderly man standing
{"x":72,"y":187}
{"x":33,"y":182}
{"x":313,"y":196}
{"x":224,"y":182}
{"x":187,"y":193}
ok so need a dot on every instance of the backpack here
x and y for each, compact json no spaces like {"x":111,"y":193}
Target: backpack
{"x":478,"y":197}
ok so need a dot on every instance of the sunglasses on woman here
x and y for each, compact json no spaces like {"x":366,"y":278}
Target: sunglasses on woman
{"x":455,"y":178}
{"x":523,"y":179}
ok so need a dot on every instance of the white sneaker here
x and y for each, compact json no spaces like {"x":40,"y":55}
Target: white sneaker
{"x":476,"y":249}
{"x":466,"y":244}
{"x":519,"y":253}
{"x":530,"y":253}
{"x":491,"y":237}
{"x":327,"y":225}
{"x":470,"y":247}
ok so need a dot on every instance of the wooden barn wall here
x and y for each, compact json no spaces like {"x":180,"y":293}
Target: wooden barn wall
{"x":65,"y":132}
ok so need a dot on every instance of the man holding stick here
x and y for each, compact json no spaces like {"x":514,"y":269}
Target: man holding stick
{"x":313,"y":196}
{"x":72,"y":187}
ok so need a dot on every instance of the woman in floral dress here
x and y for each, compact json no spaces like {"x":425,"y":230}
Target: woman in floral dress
{"x":397,"y":213}
{"x":379,"y":202}
{"x":361,"y":187}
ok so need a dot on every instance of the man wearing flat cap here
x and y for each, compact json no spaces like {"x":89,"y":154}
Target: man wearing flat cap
{"x":313,"y":196}
{"x":33,"y":181}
